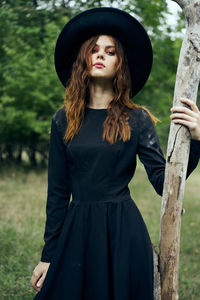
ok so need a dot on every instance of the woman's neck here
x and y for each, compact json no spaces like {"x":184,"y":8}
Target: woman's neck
{"x":101,"y":93}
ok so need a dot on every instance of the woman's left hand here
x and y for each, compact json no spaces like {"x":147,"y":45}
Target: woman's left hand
{"x":188,"y":117}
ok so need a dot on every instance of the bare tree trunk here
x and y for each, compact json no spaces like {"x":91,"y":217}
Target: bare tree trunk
{"x":157,"y":288}
{"x":187,"y":81}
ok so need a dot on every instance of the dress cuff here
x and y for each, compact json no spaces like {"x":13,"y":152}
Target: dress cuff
{"x":44,"y":258}
{"x":195,"y":146}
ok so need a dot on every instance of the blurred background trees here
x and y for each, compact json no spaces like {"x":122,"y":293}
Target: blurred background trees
{"x":30,"y":92}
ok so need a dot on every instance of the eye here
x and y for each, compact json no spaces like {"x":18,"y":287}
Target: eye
{"x":94,"y":50}
{"x":111,"y":52}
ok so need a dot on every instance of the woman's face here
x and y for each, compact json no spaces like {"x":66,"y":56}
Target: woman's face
{"x":103,"y":58}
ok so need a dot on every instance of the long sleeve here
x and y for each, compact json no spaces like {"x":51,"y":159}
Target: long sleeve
{"x":151,"y":155}
{"x":58,"y":192}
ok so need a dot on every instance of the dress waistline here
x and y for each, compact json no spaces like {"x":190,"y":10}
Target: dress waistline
{"x":113,"y":200}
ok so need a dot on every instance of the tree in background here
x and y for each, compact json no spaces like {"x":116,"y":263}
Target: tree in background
{"x":29,"y":89}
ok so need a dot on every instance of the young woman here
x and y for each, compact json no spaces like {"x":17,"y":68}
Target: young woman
{"x":98,"y":247}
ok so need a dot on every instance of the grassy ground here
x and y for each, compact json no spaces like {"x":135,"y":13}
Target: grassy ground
{"x":22,"y":207}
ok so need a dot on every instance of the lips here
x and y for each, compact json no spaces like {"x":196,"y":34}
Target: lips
{"x":99,"y":65}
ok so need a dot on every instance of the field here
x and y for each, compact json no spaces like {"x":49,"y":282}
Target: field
{"x":22,"y":207}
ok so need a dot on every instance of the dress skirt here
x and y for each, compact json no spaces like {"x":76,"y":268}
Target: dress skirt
{"x":104,"y":252}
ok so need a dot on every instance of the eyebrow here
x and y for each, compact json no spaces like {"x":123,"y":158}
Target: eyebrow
{"x":108,"y":46}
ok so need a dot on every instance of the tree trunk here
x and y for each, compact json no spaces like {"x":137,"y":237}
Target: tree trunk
{"x":19,"y":154}
{"x":187,"y":81}
{"x":32,"y":156}
{"x":9,"y":152}
{"x":157,"y":288}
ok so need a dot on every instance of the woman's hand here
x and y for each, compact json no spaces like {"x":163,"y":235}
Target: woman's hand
{"x":188,"y":117}
{"x":39,"y":274}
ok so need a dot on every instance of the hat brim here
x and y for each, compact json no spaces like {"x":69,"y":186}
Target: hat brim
{"x":110,"y":21}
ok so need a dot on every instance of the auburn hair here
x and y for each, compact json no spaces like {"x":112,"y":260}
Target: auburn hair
{"x":77,"y":95}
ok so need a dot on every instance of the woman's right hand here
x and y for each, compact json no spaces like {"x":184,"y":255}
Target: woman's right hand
{"x":39,"y":274}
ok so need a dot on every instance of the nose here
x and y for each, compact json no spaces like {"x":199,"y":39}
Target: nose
{"x":100,"y":54}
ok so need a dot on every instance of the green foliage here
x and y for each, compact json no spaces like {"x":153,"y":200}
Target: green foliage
{"x":30,"y":91}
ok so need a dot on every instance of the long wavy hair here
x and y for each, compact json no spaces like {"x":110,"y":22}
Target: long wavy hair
{"x":77,"y":95}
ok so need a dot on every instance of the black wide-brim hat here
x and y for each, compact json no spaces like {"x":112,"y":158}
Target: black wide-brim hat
{"x":107,"y":21}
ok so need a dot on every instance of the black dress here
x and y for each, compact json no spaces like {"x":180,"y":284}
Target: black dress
{"x":98,"y":244}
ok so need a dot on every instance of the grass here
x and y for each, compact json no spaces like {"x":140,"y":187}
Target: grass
{"x":22,"y":206}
